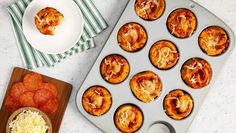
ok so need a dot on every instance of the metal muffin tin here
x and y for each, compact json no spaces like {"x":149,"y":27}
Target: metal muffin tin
{"x":153,"y":112}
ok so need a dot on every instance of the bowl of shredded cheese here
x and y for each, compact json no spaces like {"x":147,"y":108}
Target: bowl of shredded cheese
{"x":28,"y":120}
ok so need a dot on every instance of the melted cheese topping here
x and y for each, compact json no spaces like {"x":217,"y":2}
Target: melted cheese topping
{"x":148,"y":87}
{"x":196,"y":73}
{"x":146,"y":7}
{"x":114,"y":68}
{"x":163,"y":56}
{"x":193,"y":67}
{"x":40,"y":21}
{"x":28,"y":122}
{"x":182,"y":23}
{"x":131,"y":36}
{"x":126,"y":117}
{"x":211,"y":42}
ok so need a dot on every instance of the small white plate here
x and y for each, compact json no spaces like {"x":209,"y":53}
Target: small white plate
{"x":66,"y":34}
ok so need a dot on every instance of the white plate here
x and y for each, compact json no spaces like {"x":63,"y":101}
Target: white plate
{"x":66,"y":34}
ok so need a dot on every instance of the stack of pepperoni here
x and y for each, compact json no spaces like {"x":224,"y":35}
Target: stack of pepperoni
{"x":33,"y":92}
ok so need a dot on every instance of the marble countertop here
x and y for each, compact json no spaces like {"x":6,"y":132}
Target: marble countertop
{"x":217,"y":115}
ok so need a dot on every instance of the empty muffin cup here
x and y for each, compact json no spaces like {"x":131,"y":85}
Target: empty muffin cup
{"x":161,"y":127}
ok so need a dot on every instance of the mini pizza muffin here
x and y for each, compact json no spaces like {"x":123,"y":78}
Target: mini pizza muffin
{"x":196,"y":73}
{"x":47,"y":19}
{"x":128,"y":118}
{"x":132,"y":37}
{"x":146,"y":86}
{"x":178,"y":104}
{"x":164,"y":55}
{"x":96,"y":100}
{"x":182,"y":23}
{"x":149,"y":9}
{"x":114,"y":68}
{"x":213,"y":40}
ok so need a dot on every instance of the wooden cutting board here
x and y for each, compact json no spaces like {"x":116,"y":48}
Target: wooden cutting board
{"x":64,"y":92}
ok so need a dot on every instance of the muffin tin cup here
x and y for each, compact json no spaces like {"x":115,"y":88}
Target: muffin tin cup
{"x":139,"y":61}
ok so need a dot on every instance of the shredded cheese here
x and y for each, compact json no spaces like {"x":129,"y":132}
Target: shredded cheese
{"x":181,"y":104}
{"x":178,"y":105}
{"x":147,"y":92}
{"x":40,"y":21}
{"x":28,"y":122}
{"x":163,"y":56}
{"x":194,"y":67}
{"x":92,"y":105}
{"x":129,"y":46}
{"x":112,"y":71}
{"x":193,"y":79}
{"x":124,"y":117}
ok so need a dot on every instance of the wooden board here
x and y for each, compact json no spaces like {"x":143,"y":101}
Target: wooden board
{"x":64,"y":92}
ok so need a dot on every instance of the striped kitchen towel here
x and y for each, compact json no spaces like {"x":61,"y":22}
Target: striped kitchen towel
{"x":32,"y":58}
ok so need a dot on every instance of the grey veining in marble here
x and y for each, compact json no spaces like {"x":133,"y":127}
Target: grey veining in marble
{"x":217,"y":115}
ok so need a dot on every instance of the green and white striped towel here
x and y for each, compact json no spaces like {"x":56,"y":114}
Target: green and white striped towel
{"x":32,"y":58}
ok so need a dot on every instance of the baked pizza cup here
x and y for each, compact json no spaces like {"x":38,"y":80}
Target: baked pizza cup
{"x":149,"y":9}
{"x":132,"y":37}
{"x":213,"y":40}
{"x":128,"y":118}
{"x":164,"y":55}
{"x":114,"y":68}
{"x":196,"y":73}
{"x":182,"y":23}
{"x":178,"y":104}
{"x":47,"y":19}
{"x":96,"y":100}
{"x":146,"y":86}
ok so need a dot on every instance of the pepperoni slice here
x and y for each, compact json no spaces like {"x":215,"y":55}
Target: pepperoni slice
{"x":42,"y":96}
{"x":17,"y":90}
{"x":50,"y":87}
{"x":32,"y":81}
{"x":50,"y":107}
{"x":27,"y":100}
{"x":11,"y":104}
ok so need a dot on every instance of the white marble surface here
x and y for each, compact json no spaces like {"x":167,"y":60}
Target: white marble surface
{"x":217,"y":115}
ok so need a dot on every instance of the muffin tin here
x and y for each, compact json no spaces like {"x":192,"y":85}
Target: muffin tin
{"x":153,"y":112}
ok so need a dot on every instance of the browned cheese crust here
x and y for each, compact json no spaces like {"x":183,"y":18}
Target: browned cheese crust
{"x":149,"y":9}
{"x":213,"y":40}
{"x":96,"y":100}
{"x":178,"y":104}
{"x":164,"y":55}
{"x":146,"y":86}
{"x":114,"y":68}
{"x":128,"y":118}
{"x":196,"y":73}
{"x":182,"y":23}
{"x":132,"y":37}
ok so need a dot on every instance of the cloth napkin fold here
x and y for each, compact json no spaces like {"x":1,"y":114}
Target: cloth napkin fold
{"x":32,"y":58}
